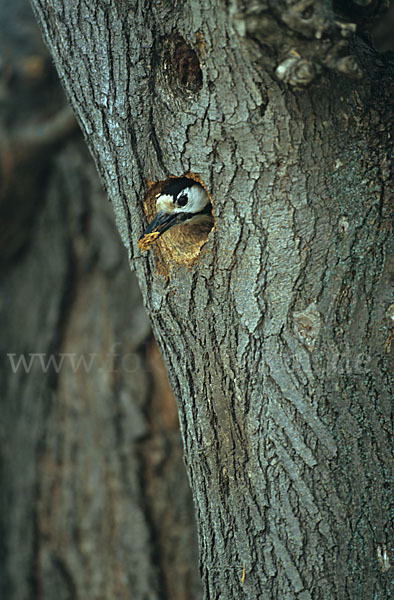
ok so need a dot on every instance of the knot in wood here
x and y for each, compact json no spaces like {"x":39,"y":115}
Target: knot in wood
{"x":181,"y":66}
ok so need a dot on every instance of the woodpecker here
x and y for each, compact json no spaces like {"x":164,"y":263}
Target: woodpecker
{"x":183,"y":201}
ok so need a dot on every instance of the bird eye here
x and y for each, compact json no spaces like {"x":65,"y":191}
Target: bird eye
{"x":183,"y":200}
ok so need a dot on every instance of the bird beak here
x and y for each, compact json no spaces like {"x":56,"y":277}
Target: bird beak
{"x":162,"y":222}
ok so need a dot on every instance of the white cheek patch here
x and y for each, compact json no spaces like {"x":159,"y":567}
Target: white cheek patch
{"x":165,"y":204}
{"x":198,"y":199}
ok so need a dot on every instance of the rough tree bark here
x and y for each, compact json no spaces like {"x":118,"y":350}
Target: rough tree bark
{"x":94,"y":497}
{"x":277,"y":332}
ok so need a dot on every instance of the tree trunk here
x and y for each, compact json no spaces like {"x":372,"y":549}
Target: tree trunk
{"x":276,"y":328}
{"x":95,"y":501}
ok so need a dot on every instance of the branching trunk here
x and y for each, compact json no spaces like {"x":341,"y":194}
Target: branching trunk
{"x":277,"y":331}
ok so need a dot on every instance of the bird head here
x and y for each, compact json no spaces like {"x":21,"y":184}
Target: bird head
{"x":183,"y":201}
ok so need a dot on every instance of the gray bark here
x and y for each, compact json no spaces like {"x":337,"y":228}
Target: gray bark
{"x":277,"y":334}
{"x":95,"y":501}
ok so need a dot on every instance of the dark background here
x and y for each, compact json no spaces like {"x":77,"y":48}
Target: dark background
{"x":95,"y":501}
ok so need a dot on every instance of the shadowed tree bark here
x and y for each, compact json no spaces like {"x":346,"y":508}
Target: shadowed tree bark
{"x":94,"y":497}
{"x":277,"y":327}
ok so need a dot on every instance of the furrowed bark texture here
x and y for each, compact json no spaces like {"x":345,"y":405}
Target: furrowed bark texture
{"x":94,"y":497}
{"x":278,"y":337}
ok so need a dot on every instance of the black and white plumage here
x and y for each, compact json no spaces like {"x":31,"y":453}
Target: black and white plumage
{"x":183,"y":201}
